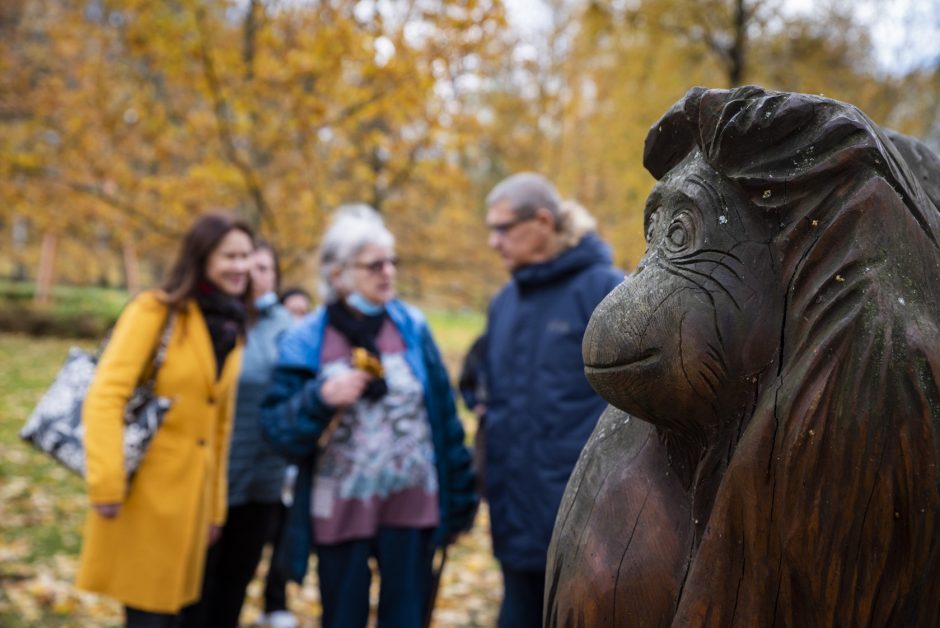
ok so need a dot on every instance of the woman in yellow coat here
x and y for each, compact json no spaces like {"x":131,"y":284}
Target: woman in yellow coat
{"x":145,"y":544}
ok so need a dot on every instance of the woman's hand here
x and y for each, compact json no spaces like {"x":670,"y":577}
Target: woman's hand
{"x":108,"y":511}
{"x":345,"y":389}
{"x":214,"y":533}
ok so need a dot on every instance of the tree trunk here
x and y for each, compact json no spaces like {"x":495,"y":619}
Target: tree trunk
{"x":736,"y":53}
{"x":46,"y":274}
{"x":131,"y":267}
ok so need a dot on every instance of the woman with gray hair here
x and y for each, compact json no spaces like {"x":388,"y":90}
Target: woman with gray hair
{"x":361,"y":399}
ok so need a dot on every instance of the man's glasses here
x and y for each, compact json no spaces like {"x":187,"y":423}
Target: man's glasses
{"x":502,"y":228}
{"x":378,"y":265}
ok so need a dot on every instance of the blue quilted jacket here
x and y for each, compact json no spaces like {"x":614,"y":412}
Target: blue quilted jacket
{"x":293,"y":416}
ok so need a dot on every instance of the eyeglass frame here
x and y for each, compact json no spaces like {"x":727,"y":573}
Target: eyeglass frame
{"x":524,"y":213}
{"x":376,"y":267}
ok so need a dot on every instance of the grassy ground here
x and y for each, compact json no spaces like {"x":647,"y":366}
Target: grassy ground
{"x":42,"y":508}
{"x":99,"y":301}
{"x":88,"y":312}
{"x":71,"y":312}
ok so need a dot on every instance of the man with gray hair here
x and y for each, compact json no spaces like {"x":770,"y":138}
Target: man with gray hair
{"x":540,"y":408}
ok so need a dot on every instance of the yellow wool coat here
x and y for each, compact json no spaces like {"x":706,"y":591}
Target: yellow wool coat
{"x":152,"y":555}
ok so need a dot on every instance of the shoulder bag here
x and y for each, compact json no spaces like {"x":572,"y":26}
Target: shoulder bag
{"x":55,"y":425}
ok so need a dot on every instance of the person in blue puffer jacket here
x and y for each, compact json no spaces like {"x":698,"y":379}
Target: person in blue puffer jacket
{"x":361,"y":399}
{"x":540,"y":409}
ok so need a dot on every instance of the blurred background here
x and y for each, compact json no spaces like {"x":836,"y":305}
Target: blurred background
{"x":120,"y":119}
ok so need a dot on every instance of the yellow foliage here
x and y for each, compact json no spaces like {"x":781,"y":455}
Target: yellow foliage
{"x":131,"y":116}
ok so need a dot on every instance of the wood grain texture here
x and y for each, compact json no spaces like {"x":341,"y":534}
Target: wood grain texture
{"x":773,"y":366}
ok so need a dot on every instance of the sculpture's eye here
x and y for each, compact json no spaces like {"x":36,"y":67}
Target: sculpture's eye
{"x":677,"y":235}
{"x":681,"y":233}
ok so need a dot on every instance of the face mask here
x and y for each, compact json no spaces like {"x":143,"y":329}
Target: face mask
{"x":266,"y":300}
{"x":364,"y":305}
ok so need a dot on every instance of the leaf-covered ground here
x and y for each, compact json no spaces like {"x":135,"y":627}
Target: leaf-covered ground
{"x":42,"y":508}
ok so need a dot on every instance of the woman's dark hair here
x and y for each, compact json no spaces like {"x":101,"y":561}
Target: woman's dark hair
{"x":292,"y":291}
{"x":264,"y":245}
{"x":189,"y":268}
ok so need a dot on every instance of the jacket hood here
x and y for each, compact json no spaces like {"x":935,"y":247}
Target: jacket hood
{"x":589,"y":251}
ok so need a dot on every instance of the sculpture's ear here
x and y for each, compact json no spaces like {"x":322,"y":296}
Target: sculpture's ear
{"x":673,"y":136}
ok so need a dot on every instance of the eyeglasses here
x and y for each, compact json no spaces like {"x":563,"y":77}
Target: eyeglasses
{"x":378,"y":265}
{"x":502,"y":228}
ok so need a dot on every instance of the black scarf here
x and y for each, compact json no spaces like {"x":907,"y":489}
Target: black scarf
{"x":360,"y":331}
{"x":225,"y":318}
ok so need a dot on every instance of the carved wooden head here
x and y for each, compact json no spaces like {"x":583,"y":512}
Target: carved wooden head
{"x":776,"y":217}
{"x":782,"y":333}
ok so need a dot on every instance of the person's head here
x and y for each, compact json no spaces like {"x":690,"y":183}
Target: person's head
{"x":216,"y":249}
{"x":357,"y":255}
{"x":265,"y":270}
{"x":523,"y":218}
{"x":297,"y":301}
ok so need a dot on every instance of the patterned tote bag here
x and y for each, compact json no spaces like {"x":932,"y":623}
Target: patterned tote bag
{"x":55,"y":425}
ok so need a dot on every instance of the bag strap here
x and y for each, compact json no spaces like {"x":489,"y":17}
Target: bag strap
{"x":160,"y":354}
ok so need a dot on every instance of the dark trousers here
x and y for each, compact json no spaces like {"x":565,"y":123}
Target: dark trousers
{"x":275,"y":586}
{"x":230,"y":566}
{"x":404,"y":559}
{"x":136,"y":618}
{"x":524,"y":592}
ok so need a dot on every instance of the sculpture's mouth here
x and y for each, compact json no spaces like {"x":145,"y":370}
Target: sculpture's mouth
{"x":648,"y":357}
{"x":622,"y":380}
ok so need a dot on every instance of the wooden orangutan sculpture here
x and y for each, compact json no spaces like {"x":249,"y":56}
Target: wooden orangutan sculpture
{"x":773,"y":365}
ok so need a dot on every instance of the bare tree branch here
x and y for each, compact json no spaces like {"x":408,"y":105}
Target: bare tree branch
{"x":127,"y":208}
{"x":220,"y":108}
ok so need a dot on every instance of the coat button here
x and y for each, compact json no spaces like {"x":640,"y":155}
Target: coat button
{"x":201,"y":442}
{"x":211,"y":401}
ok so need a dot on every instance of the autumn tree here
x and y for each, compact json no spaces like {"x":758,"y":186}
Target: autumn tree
{"x":625,"y":63}
{"x":121,"y":119}
{"x":150,"y":112}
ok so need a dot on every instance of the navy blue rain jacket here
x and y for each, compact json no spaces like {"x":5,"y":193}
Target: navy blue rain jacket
{"x":293,"y":416}
{"x":540,"y":408}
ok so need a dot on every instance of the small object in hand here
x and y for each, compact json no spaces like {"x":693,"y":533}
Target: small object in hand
{"x":365,"y":361}
{"x":108,"y":511}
